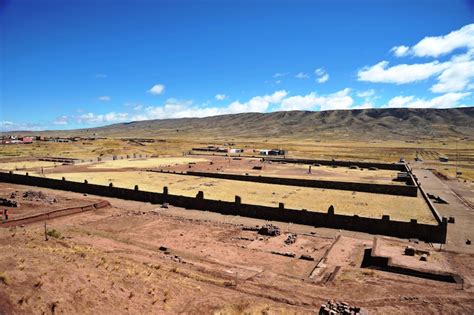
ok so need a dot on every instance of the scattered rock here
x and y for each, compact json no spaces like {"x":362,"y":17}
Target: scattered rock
{"x":8,"y":203}
{"x":291,"y":239}
{"x":31,"y":195}
{"x":333,"y":308}
{"x":409,"y":251}
{"x":270,"y":230}
{"x":306,"y":257}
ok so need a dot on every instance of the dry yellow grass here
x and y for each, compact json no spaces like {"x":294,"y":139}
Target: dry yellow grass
{"x":345,"y":202}
{"x":22,"y":165}
{"x":326,"y":173}
{"x":146,"y":163}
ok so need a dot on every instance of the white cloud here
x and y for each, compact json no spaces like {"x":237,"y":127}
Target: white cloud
{"x":457,"y":76}
{"x":434,"y":46}
{"x":302,"y":75}
{"x":104,"y":98}
{"x":279,"y":75}
{"x":257,"y":103}
{"x":338,"y":100}
{"x":367,"y":93}
{"x":447,"y":100}
{"x":323,"y":79}
{"x":62,"y":120}
{"x":157,"y":89}
{"x":101,"y":76}
{"x":138,"y":107}
{"x":277,"y":81}
{"x":220,"y":97}
{"x":321,"y":75}
{"x":7,"y":125}
{"x":400,"y":74}
{"x":112,"y":117}
{"x":400,"y":51}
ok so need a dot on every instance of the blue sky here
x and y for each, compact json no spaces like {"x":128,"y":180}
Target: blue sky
{"x":75,"y":64}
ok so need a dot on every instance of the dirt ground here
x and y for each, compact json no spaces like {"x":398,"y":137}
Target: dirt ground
{"x":138,"y":258}
{"x":33,"y":201}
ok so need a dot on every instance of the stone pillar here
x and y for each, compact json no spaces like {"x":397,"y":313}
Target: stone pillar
{"x":238,"y":200}
{"x":165,"y":190}
{"x":85,"y":181}
{"x":64,"y":178}
{"x":281,"y":205}
{"x":136,"y":187}
{"x":111,"y":185}
{"x":331,"y":210}
{"x":200,"y":195}
{"x":385,"y":217}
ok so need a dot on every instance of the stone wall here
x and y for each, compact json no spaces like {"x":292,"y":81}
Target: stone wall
{"x":389,"y":189}
{"x":383,"y":226}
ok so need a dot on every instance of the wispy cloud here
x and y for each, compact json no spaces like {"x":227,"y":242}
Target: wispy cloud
{"x":220,"y":97}
{"x":157,"y":89}
{"x":312,"y":101}
{"x":100,"y":76}
{"x":61,"y":120}
{"x":302,"y":75}
{"x":279,"y":74}
{"x":104,"y":98}
{"x":321,"y":75}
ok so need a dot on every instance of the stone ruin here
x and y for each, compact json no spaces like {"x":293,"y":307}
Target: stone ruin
{"x":269,"y":230}
{"x":291,"y":239}
{"x":333,"y":308}
{"x":31,"y":195}
{"x":8,"y":203}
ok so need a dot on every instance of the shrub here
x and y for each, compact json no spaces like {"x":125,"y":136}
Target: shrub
{"x":54,"y":233}
{"x":4,"y":278}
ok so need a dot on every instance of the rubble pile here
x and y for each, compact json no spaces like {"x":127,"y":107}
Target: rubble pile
{"x":8,"y":202}
{"x":38,"y":196}
{"x":291,"y":239}
{"x":340,"y":308}
{"x":269,"y":230}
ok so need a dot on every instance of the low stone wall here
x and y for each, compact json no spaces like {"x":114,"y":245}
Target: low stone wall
{"x":383,"y":226}
{"x":54,"y":214}
{"x":400,"y":190}
{"x":383,"y":166}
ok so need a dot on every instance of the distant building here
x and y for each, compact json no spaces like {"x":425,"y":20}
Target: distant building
{"x":211,"y":148}
{"x":27,"y":140}
{"x":272,"y":152}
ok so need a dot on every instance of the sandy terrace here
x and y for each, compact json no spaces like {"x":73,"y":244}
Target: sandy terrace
{"x":314,"y":199}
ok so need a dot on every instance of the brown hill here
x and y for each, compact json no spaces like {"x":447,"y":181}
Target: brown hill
{"x":405,"y":123}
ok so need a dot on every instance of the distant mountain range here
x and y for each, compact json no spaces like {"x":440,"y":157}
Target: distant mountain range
{"x":396,"y":123}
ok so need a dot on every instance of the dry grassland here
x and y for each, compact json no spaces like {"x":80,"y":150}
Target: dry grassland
{"x":23,"y":165}
{"x":152,"y":162}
